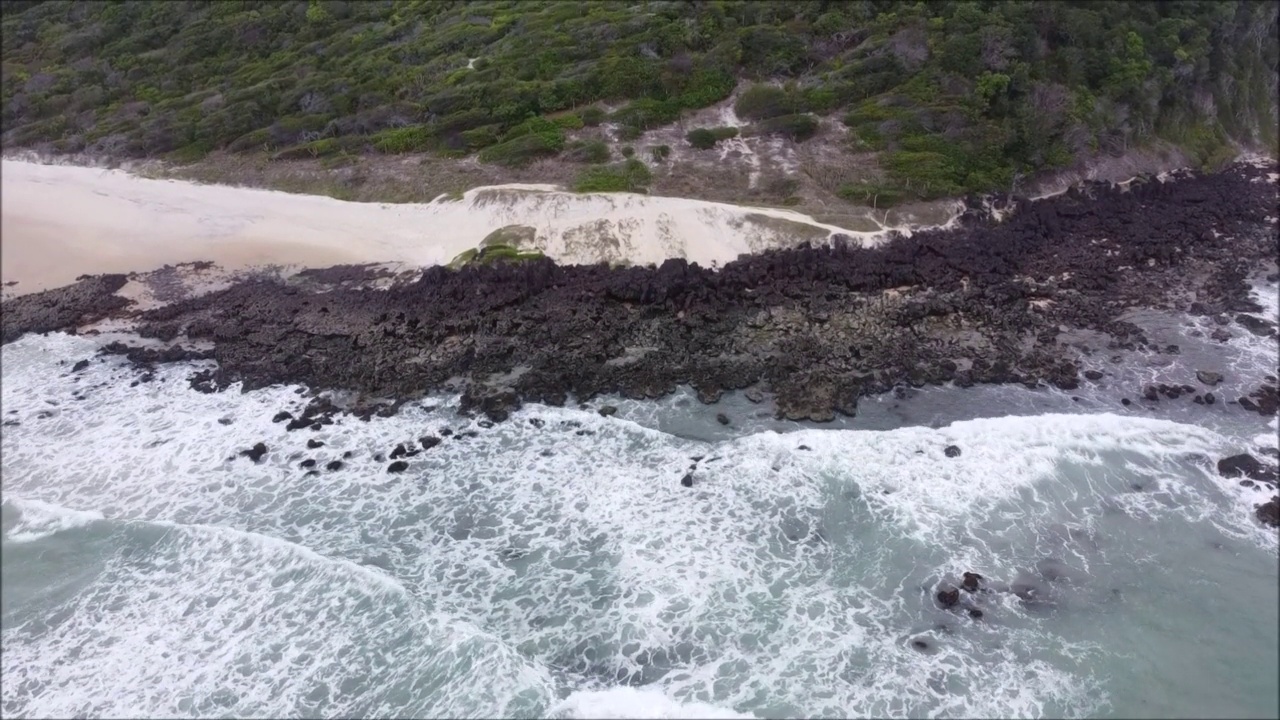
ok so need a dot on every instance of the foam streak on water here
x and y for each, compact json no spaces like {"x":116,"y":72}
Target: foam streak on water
{"x":532,"y":571}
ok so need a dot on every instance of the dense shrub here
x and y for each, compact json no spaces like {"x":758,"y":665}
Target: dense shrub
{"x":523,"y":149}
{"x":629,"y":176}
{"x":706,"y":138}
{"x":591,"y":151}
{"x":1015,"y":87}
{"x":795,"y":127}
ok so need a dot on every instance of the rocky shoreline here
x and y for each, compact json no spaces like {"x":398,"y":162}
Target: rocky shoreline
{"x":814,"y":328}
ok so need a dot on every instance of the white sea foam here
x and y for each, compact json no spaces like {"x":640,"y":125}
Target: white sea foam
{"x":39,"y":520}
{"x":627,"y":702}
{"x":787,"y":581}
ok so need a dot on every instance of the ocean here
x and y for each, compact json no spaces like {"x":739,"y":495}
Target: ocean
{"x":555,"y":565}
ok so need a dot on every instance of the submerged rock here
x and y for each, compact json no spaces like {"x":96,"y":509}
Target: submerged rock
{"x":948,"y":598}
{"x":1208,"y":377}
{"x":951,"y":451}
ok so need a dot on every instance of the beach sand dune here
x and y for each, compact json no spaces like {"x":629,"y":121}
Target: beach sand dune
{"x":61,"y":221}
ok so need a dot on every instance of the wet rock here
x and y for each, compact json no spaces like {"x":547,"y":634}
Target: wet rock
{"x":80,"y":366}
{"x":398,"y":451}
{"x":975,"y":613}
{"x":948,"y":598}
{"x":754,"y":395}
{"x":282,"y":416}
{"x":485,"y":424}
{"x":313,"y":444}
{"x":1126,"y":402}
{"x":1246,"y":483}
{"x":225,"y":421}
{"x":1247,"y":404}
{"x":1150,"y":393}
{"x":972,"y":581}
{"x":951,"y":451}
{"x":1220,"y":335}
{"x":347,"y":455}
{"x":255,"y":453}
{"x":298,"y":424}
{"x":1268,"y":513}
{"x":803,"y":447}
{"x":1208,"y":377}
{"x":1093,"y":374}
{"x":919,"y":644}
{"x":429,"y":441}
{"x":722,"y":418}
{"x":1255,"y":325}
{"x":333,"y":465}
{"x":1245,"y":465}
{"x":687,"y":480}
{"x":1198,"y":399}
{"x":308,"y":463}
{"x":1210,"y":399}
{"x":608,"y":410}
{"x":446,"y":432}
{"x":397,"y":466}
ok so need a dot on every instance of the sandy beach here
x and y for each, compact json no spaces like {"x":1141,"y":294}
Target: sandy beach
{"x":61,"y":221}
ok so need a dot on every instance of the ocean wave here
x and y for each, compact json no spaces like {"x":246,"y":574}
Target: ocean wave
{"x":794,"y":577}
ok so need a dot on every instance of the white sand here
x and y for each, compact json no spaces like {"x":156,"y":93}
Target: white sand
{"x":61,"y":221}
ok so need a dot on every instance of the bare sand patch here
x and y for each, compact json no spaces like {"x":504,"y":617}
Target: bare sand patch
{"x":61,"y":221}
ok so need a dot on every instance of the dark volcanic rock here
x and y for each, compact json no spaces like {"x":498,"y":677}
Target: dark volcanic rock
{"x":687,"y":480}
{"x":948,"y":598}
{"x":313,"y":443}
{"x":429,"y":441}
{"x":282,"y":416}
{"x":89,"y":299}
{"x":608,"y":410}
{"x":1093,"y":374}
{"x":817,"y":327}
{"x":308,"y":463}
{"x":1247,"y":466}
{"x":1268,"y":513}
{"x":255,"y":453}
{"x":1256,"y":325}
{"x":951,"y":451}
{"x":1208,"y":377}
{"x":333,"y":465}
{"x":397,"y":466}
{"x":972,"y":581}
{"x":80,"y":366}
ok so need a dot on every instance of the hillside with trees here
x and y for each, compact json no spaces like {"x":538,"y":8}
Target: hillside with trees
{"x":945,"y":97}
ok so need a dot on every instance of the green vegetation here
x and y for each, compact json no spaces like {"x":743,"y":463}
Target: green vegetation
{"x":953,"y":95}
{"x":629,"y":176}
{"x":494,"y":253}
{"x":706,"y":138}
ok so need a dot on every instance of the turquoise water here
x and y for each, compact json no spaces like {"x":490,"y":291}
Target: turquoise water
{"x":540,"y":571}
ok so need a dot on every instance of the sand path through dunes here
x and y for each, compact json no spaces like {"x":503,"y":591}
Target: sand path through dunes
{"x":61,"y":221}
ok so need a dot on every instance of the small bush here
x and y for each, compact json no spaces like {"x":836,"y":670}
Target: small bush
{"x":568,"y":122}
{"x":414,"y":138}
{"x":796,"y":127}
{"x":482,"y":137}
{"x":628,"y":151}
{"x":592,"y":116}
{"x":592,"y":151}
{"x":660,"y":153}
{"x":522,"y":150}
{"x":760,"y":102}
{"x":630,"y":176}
{"x":706,"y":138}
{"x":647,"y":113}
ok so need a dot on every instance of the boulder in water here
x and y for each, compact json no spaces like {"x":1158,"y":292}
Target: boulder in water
{"x":972,"y":581}
{"x":397,"y":466}
{"x":687,"y":480}
{"x":80,"y":366}
{"x":429,"y":441}
{"x":1093,"y":374}
{"x":1268,"y":513}
{"x":722,"y":418}
{"x":282,"y":416}
{"x":255,"y":453}
{"x":948,"y":598}
{"x":1245,"y":465}
{"x":333,"y":465}
{"x":313,"y":443}
{"x":951,"y":451}
{"x":607,"y":410}
{"x":1208,"y":377}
